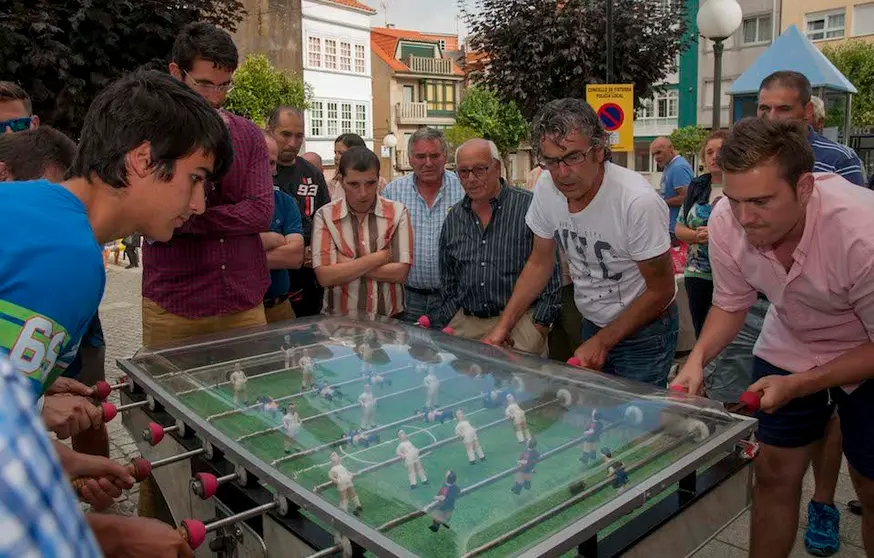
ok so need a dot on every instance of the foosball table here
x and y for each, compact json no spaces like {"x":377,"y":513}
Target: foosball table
{"x":332,"y":436}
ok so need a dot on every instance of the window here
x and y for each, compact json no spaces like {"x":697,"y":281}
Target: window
{"x":641,"y":157}
{"x":756,"y":30}
{"x":409,"y":93}
{"x":665,"y":104}
{"x":361,"y":120}
{"x":863,"y":20}
{"x":359,"y":60}
{"x":317,"y":121}
{"x":345,"y":57}
{"x":826,"y":25}
{"x":330,"y":54}
{"x":330,"y":118}
{"x":440,"y":95}
{"x":723,"y":94}
{"x":315,"y":52}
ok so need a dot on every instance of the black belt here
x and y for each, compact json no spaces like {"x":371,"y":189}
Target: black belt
{"x":273,"y":302}
{"x":481,"y":314}
{"x":423,"y":292}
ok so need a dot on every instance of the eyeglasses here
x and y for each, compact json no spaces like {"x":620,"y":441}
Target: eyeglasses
{"x":225,"y":88}
{"x":569,"y":160}
{"x":16,"y":124}
{"x":478,"y":171}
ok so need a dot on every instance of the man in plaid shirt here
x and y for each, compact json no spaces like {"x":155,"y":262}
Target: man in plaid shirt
{"x":213,"y":274}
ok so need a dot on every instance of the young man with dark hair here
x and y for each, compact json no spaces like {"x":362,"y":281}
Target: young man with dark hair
{"x":299,"y":178}
{"x":148,"y":147}
{"x":802,"y":240}
{"x":342,"y":144}
{"x":16,"y":110}
{"x":213,"y":275}
{"x":38,"y":153}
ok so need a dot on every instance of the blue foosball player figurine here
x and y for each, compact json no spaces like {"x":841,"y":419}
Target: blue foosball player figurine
{"x":374,"y":378}
{"x":326,"y":390}
{"x":496,"y":398}
{"x":358,"y":437}
{"x":527,"y":461}
{"x":445,"y":499}
{"x":434,"y":416}
{"x":268,"y":406}
{"x":593,"y":435}
{"x":616,"y":469}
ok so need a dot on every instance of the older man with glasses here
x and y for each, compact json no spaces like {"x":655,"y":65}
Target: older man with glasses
{"x":613,"y":228}
{"x":16,"y":110}
{"x":484,"y":246}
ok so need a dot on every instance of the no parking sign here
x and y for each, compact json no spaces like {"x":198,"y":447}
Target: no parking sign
{"x":615,"y":107}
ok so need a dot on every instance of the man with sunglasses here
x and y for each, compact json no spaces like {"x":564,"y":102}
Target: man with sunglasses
{"x":484,"y":246}
{"x":16,"y":110}
{"x":613,"y":228}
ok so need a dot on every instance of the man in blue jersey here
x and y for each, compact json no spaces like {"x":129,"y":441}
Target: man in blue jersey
{"x":148,"y":146}
{"x":284,"y":245}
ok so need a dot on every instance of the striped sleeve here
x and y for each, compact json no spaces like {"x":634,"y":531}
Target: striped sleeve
{"x":324,"y":250}
{"x":403,"y":238}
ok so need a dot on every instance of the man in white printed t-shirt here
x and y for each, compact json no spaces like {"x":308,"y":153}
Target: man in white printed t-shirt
{"x":612,"y":226}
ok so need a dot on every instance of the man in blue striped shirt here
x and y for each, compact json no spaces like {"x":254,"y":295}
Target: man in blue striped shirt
{"x":484,"y":246}
{"x":785,"y":95}
{"x":429,"y":193}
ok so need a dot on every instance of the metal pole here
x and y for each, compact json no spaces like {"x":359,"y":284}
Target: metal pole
{"x":609,"y":41}
{"x":848,"y":117}
{"x":717,"y":82}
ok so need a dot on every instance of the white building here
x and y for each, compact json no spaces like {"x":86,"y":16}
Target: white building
{"x":336,"y":62}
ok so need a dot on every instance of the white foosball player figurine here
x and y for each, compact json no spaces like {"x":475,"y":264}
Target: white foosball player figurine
{"x":365,"y":352}
{"x":410,"y":454}
{"x":369,"y":335}
{"x":306,"y":369}
{"x":288,"y":353}
{"x":422,"y":368}
{"x":291,"y":425}
{"x":520,"y":424}
{"x":432,"y":384}
{"x":238,"y":381}
{"x":467,"y":433}
{"x":367,"y":402}
{"x":342,"y":479}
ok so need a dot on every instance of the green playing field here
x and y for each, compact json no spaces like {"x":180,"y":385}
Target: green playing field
{"x":483,"y":512}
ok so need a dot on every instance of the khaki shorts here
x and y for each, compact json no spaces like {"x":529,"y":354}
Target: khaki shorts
{"x":280,"y":312}
{"x":161,"y":327}
{"x":526,"y":338}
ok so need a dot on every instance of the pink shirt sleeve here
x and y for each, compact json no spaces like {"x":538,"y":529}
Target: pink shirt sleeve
{"x":860,"y":261}
{"x":731,"y":291}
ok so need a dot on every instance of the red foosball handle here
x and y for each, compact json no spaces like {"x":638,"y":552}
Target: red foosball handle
{"x":102,"y":390}
{"x":424,"y":321}
{"x":574,"y":361}
{"x":679,"y":388}
{"x":193,"y":532}
{"x":208,"y":485}
{"x":109,"y":411}
{"x":154,"y":433}
{"x":751,"y":400}
{"x":138,"y":468}
{"x":448,"y":330}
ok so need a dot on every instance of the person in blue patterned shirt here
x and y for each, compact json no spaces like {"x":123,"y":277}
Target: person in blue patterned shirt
{"x":429,"y":193}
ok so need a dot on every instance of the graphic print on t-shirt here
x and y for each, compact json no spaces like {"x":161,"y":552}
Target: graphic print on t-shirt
{"x":594,"y":255}
{"x":308,"y":190}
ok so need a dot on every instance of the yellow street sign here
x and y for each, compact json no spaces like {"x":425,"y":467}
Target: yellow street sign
{"x":615,"y":107}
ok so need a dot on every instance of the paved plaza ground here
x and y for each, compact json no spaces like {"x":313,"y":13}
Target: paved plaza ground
{"x":120,"y":314}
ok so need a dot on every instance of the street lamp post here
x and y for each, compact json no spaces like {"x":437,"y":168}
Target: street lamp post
{"x":391,"y":141}
{"x":717,"y":21}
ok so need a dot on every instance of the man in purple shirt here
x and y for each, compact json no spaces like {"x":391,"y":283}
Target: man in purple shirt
{"x":212,"y":275}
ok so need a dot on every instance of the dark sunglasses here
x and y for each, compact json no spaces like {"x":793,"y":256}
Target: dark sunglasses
{"x":16,"y":124}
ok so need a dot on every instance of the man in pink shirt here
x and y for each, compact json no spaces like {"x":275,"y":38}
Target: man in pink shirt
{"x":803,"y":240}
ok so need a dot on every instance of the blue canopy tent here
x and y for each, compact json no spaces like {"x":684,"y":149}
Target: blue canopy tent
{"x":791,"y":51}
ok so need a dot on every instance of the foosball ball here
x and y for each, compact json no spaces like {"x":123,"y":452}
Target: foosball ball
{"x":337,"y":437}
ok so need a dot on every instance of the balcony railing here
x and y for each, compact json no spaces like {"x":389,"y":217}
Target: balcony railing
{"x":422,"y":65}
{"x":412,"y":111}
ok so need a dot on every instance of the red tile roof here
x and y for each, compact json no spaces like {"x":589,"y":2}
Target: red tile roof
{"x":354,"y":4}
{"x":384,"y":43}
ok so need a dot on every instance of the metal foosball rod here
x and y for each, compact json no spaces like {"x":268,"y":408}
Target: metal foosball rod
{"x":154,"y":432}
{"x":327,"y":413}
{"x":299,"y":394}
{"x":344,"y":439}
{"x":552,"y":512}
{"x":749,"y":401}
{"x":194,"y":531}
{"x":429,"y":447}
{"x":205,"y":485}
{"x":140,"y":468}
{"x":102,"y":389}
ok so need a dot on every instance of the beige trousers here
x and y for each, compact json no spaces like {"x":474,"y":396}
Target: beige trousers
{"x":526,"y":338}
{"x":161,"y":327}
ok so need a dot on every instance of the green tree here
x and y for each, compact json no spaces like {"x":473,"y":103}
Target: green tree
{"x":855,"y":59}
{"x":459,"y":134}
{"x":64,"y":53}
{"x":689,"y":140}
{"x":492,"y":118}
{"x":539,"y":50}
{"x":259,"y":88}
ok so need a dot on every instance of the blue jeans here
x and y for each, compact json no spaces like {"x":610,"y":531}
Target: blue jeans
{"x":646,"y":355}
{"x":417,"y":305}
{"x":731,"y":372}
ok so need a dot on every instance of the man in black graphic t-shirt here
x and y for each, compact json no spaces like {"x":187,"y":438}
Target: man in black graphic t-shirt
{"x":297,"y":177}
